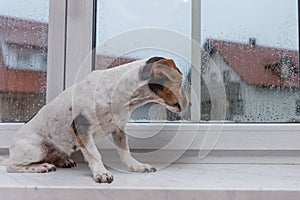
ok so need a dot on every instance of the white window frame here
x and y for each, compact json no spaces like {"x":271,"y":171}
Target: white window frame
{"x":73,"y":19}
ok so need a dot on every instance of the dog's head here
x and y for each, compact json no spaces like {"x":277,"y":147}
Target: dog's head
{"x":165,"y":80}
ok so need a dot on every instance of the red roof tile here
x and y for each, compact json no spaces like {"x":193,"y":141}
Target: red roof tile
{"x":252,"y":63}
{"x":106,"y":62}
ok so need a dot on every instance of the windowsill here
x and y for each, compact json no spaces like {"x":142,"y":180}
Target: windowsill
{"x":178,"y":181}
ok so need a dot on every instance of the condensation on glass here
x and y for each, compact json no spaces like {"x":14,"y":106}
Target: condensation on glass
{"x":23,"y":59}
{"x":251,"y":50}
{"x":129,"y":15}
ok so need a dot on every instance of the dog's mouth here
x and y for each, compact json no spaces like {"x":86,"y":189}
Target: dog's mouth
{"x":175,"y":107}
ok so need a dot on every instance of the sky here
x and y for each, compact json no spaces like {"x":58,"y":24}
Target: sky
{"x":271,"y":22}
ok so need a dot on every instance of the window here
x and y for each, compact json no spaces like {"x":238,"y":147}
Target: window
{"x":23,"y":55}
{"x":298,"y":107}
{"x":226,"y":76}
{"x":131,"y":16}
{"x":260,"y":99}
{"x":213,"y":78}
{"x":26,"y":58}
{"x":263,"y":61}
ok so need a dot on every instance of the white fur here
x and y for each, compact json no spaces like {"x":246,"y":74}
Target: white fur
{"x":105,"y":98}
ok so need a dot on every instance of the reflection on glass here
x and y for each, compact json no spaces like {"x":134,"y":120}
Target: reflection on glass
{"x":23,"y":60}
{"x":252,"y":51}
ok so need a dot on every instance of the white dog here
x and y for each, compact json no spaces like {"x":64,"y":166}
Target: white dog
{"x":100,"y":104}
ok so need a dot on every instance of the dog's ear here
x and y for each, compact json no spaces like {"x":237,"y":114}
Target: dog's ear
{"x":146,"y":71}
{"x":163,"y":71}
{"x":166,"y":70}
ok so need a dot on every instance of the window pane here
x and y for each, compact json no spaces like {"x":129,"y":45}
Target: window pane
{"x":251,"y":50}
{"x":23,"y":58}
{"x":120,"y":16}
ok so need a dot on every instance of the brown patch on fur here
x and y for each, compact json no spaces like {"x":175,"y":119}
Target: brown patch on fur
{"x":167,"y":95}
{"x":168,"y":79}
{"x":73,"y":128}
{"x":169,"y":63}
{"x":166,"y":70}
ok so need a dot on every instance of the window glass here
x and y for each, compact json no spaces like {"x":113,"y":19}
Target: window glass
{"x":253,"y":46}
{"x":118,"y":17}
{"x":23,"y":58}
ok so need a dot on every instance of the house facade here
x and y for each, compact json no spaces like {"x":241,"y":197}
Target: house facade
{"x":261,"y":83}
{"x":23,"y":64}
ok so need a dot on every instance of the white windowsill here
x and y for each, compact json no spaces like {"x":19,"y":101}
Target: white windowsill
{"x":232,"y":136}
{"x":178,"y":181}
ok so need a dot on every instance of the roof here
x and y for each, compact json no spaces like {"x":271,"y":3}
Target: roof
{"x":106,"y":62}
{"x":255,"y":64}
{"x":22,"y":32}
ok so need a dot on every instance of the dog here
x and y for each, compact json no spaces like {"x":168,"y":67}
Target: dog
{"x":98,"y":105}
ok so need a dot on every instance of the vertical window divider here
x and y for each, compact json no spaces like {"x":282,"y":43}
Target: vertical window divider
{"x":79,"y":41}
{"x":196,"y":61}
{"x":56,"y":48}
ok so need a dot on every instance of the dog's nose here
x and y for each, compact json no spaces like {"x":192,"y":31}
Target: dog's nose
{"x":178,"y":106}
{"x":190,"y":104}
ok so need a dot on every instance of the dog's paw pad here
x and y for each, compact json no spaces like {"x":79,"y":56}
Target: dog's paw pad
{"x":105,"y":177}
{"x":143,"y":168}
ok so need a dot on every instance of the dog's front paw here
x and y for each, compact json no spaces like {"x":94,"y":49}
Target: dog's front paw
{"x":103,"y":177}
{"x":142,"y":168}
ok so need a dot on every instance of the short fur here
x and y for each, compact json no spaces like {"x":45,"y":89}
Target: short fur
{"x":100,"y":104}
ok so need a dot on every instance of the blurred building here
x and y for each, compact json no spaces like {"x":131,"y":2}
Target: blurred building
{"x":261,"y":83}
{"x":23,"y":64}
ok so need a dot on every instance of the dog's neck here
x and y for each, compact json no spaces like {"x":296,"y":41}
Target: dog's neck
{"x":140,"y":97}
{"x":128,"y":91}
{"x":133,"y":91}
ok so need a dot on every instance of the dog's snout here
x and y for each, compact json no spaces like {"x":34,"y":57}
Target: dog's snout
{"x":190,"y":104}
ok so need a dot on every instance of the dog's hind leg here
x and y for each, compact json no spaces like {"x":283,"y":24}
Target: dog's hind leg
{"x":28,"y":156}
{"x":31,"y":168}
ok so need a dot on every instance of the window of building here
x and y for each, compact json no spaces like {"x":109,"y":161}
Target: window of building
{"x":226,"y":76}
{"x":298,"y":107}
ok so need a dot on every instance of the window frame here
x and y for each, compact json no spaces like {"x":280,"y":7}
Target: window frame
{"x":64,"y":28}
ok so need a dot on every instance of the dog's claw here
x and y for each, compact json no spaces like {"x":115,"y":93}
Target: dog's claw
{"x":65,"y":163}
{"x":106,"y":177}
{"x":143,"y":168}
{"x":153,"y":169}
